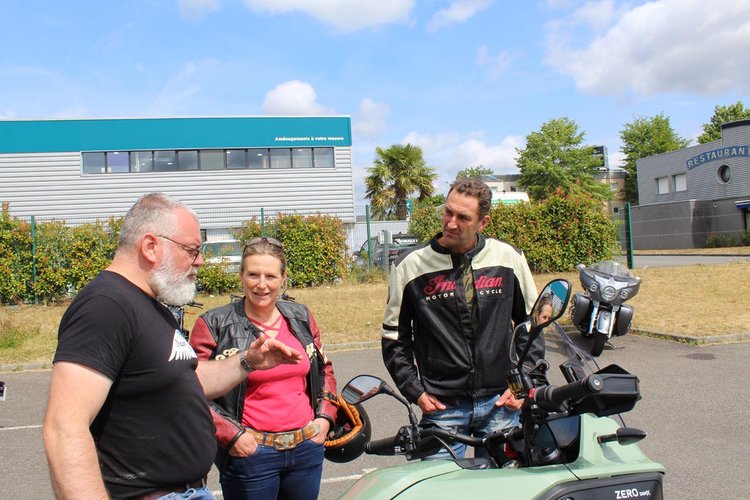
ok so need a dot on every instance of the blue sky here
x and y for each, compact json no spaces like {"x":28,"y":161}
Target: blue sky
{"x":466,"y":80}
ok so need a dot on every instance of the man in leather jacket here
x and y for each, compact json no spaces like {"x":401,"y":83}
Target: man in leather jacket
{"x":447,"y":329}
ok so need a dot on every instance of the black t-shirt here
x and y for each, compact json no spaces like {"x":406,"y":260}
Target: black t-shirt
{"x":154,"y":430}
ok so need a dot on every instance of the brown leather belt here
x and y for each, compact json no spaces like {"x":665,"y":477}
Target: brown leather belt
{"x":289,"y":440}
{"x":201,"y":483}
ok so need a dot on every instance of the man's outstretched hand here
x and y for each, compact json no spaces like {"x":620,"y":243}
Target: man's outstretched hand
{"x":266,"y":353}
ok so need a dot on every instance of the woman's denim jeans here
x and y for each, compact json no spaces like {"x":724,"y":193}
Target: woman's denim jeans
{"x":270,"y":474}
{"x":477,"y":417}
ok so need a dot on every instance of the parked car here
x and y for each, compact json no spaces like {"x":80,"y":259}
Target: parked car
{"x":224,"y":251}
{"x":401,"y":243}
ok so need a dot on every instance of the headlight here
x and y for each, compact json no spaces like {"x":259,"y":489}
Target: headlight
{"x":608,"y":293}
{"x":593,"y":287}
{"x":624,"y":294}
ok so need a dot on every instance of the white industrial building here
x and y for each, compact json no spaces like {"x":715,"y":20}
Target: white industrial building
{"x":227,"y":169}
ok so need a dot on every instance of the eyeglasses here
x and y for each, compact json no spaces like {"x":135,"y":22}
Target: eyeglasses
{"x":260,"y":239}
{"x":193,"y":252}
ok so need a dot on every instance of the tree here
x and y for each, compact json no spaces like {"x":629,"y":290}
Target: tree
{"x":555,"y":160}
{"x":722,"y":114}
{"x":646,"y":137}
{"x":398,"y":173}
{"x":477,"y":172}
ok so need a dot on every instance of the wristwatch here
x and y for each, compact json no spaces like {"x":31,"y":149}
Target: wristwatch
{"x":244,"y":364}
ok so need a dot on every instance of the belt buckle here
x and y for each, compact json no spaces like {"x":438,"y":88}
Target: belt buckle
{"x":284,"y":441}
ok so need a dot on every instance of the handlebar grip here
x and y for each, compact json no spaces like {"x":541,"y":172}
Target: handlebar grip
{"x":551,"y":398}
{"x":383,"y":447}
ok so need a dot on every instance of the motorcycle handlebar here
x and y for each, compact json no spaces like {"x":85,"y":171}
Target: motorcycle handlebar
{"x":383,"y":447}
{"x":551,"y":398}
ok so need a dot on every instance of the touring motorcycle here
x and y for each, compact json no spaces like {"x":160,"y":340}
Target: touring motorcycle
{"x":600,"y":310}
{"x":566,"y":446}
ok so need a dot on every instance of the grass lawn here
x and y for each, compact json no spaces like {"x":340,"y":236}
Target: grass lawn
{"x":700,"y":300}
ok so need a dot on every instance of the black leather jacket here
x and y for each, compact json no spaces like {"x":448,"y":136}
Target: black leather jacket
{"x":227,"y":332}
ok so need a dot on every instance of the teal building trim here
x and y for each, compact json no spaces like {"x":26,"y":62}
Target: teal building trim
{"x":128,"y":134}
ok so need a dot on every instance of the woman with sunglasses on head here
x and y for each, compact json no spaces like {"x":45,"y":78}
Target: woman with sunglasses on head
{"x":271,"y":428}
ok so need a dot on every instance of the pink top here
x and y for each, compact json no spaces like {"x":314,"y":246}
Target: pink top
{"x":276,"y":400}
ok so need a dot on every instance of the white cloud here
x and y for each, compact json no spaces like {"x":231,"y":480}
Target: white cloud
{"x":344,"y":15}
{"x":294,"y":98}
{"x":496,"y":64}
{"x":178,"y":91}
{"x":370,"y":120}
{"x":457,"y":12}
{"x":450,"y":152}
{"x":196,"y":9}
{"x":697,"y":46}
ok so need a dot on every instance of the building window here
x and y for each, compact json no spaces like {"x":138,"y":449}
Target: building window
{"x":257,"y":158}
{"x":187,"y":160}
{"x":724,"y":174}
{"x":93,"y":163}
{"x":212,"y":159}
{"x":142,"y":161}
{"x":680,"y":182}
{"x":118,"y":162}
{"x":106,"y":162}
{"x":236,"y":159}
{"x":323,"y":157}
{"x":662,"y":185}
{"x":281,"y":158}
{"x":302,"y":158}
{"x":165,"y":161}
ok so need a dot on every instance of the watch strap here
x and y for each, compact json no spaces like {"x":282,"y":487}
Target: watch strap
{"x":244,"y":364}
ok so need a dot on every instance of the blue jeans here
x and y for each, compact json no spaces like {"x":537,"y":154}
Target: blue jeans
{"x":477,"y":417}
{"x":269,"y":474}
{"x":191,"y":494}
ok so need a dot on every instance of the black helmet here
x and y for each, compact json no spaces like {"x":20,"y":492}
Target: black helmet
{"x":346,"y":439}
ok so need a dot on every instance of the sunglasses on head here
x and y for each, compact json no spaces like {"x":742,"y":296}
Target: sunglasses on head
{"x":261,"y":239}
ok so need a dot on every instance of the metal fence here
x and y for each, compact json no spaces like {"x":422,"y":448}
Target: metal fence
{"x":219,"y":225}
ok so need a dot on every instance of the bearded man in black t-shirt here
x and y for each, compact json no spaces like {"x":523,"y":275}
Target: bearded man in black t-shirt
{"x":127,"y":415}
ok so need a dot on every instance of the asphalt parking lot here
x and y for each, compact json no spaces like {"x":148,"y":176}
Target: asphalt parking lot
{"x":695,"y":404}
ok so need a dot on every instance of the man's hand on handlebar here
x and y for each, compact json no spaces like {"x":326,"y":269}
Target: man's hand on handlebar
{"x":429,"y":403}
{"x":509,"y":401}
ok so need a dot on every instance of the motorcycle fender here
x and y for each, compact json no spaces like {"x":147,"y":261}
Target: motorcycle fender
{"x":604,"y":322}
{"x":391,"y":482}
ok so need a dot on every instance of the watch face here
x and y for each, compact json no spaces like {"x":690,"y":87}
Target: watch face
{"x":243,"y":362}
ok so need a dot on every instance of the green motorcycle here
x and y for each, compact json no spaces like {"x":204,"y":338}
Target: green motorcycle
{"x":565,"y":447}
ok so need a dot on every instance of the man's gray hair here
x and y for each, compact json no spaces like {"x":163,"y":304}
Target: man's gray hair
{"x":153,"y":212}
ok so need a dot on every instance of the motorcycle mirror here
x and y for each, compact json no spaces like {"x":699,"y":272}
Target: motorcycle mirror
{"x":361,"y":388}
{"x":549,"y":306}
{"x":551,"y":303}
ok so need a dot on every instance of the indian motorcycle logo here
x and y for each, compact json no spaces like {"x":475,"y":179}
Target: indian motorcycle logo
{"x":441,"y":288}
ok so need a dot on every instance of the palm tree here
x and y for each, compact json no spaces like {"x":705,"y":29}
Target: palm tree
{"x":398,"y":173}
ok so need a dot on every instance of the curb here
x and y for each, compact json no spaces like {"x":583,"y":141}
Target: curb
{"x":727,"y":338}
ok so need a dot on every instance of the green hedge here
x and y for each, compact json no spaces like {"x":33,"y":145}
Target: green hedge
{"x":555,"y":234}
{"x":66,"y":257}
{"x":313,"y":244}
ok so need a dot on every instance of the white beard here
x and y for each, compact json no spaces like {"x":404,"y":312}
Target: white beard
{"x":169,"y":285}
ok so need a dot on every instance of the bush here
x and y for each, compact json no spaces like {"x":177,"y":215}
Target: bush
{"x":720,"y":241}
{"x":15,"y":257}
{"x":426,"y":222}
{"x":315,"y":246}
{"x":216,"y":278}
{"x":555,"y":234}
{"x":745,"y":238}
